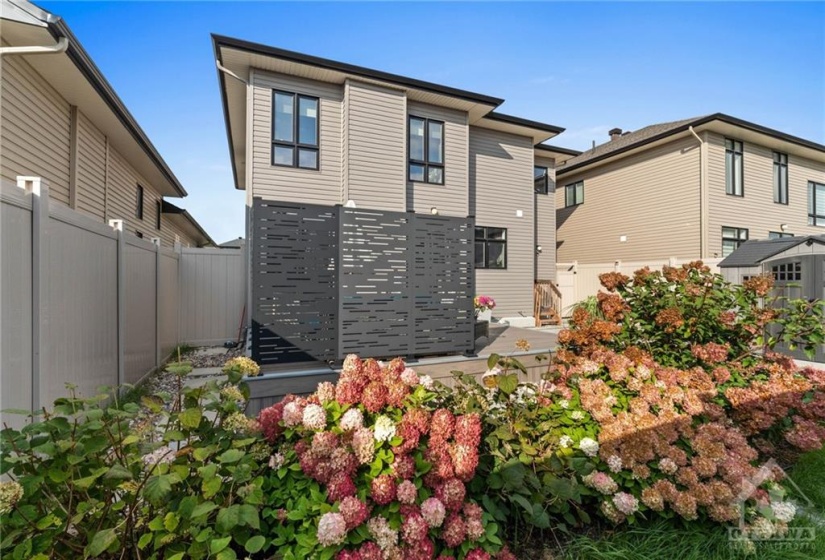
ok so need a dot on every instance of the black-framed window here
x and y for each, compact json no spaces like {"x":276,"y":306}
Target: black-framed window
{"x":780,"y":178}
{"x":778,"y":234}
{"x":425,"y":150}
{"x":787,"y":272}
{"x":158,"y":212}
{"x":138,"y":234}
{"x":732,"y":238}
{"x":139,"y":203}
{"x":816,"y":204}
{"x":541,"y":179}
{"x":491,"y":247}
{"x":574,"y":194}
{"x":734,"y":168}
{"x":295,"y":132}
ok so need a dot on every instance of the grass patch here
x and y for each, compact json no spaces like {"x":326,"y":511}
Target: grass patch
{"x":664,"y":540}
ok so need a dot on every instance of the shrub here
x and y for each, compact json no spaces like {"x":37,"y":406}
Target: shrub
{"x":178,"y":477}
{"x":373,"y":468}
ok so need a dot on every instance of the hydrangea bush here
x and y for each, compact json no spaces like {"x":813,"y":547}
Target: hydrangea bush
{"x":372,"y":468}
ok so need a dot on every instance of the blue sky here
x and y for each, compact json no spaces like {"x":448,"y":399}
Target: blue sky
{"x":584,"y":66}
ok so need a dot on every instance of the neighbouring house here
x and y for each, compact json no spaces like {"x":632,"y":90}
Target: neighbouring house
{"x":694,"y":188}
{"x":797,"y":265}
{"x":379,"y":205}
{"x":62,"y":121}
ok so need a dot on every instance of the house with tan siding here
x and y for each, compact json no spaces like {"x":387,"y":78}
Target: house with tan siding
{"x":349,"y":143}
{"x":688,"y":189}
{"x":62,"y":121}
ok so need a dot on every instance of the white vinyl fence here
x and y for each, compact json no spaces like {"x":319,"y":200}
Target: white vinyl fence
{"x":577,"y":282}
{"x":91,"y":305}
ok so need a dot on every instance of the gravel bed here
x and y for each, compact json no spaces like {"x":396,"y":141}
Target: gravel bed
{"x":210,"y":357}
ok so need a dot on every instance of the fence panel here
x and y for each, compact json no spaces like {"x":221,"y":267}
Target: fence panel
{"x":15,"y":303}
{"x":139,"y":308}
{"x":169,"y":304}
{"x":79,"y":305}
{"x":212,"y":295}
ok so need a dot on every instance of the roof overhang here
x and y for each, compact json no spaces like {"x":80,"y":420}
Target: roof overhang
{"x":187,"y":223}
{"x":556,"y":152}
{"x":79,"y":81}
{"x":539,"y":132}
{"x":718,"y":123}
{"x":238,"y":57}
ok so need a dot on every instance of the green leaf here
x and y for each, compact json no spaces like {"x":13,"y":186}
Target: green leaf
{"x":157,"y":487}
{"x":513,"y":474}
{"x":171,"y":521}
{"x":101,"y":542}
{"x":523,"y":502}
{"x":255,"y":544}
{"x":211,"y":486}
{"x":216,"y":545}
{"x":228,"y":518}
{"x":492,"y":361}
{"x":248,"y":515}
{"x":144,"y":540}
{"x":508,"y":383}
{"x":226,"y":554}
{"x":191,"y":417}
{"x":231,"y":456}
{"x":119,"y":472}
{"x":203,"y":509}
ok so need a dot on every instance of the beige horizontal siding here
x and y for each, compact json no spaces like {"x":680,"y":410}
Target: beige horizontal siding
{"x":756,"y":210}
{"x":451,"y":198}
{"x":375,"y":146}
{"x":35,"y":127}
{"x":652,"y":198}
{"x":501,"y":184}
{"x":122,"y":197}
{"x":322,"y":186}
{"x":91,"y":168}
{"x":546,"y":225}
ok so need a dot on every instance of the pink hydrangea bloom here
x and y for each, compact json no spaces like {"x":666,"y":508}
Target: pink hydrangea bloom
{"x":626,"y":503}
{"x":407,"y":492}
{"x":477,"y":554}
{"x":354,"y":511}
{"x":314,"y":417}
{"x":454,"y":531}
{"x":352,"y":419}
{"x":293,"y":414}
{"x":332,"y":529}
{"x":370,"y":551}
{"x":325,"y":392}
{"x":413,"y":529}
{"x":383,"y":489}
{"x":363,"y":443}
{"x":383,"y":534}
{"x":433,"y":512}
{"x":409,"y":377}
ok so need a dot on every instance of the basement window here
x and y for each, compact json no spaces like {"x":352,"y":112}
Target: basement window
{"x":294,"y":130}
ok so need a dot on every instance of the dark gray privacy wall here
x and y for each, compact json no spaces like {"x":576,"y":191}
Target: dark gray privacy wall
{"x":329,"y":281}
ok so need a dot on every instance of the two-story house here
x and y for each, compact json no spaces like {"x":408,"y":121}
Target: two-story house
{"x":436,"y":197}
{"x":61,"y":120}
{"x":694,"y":188}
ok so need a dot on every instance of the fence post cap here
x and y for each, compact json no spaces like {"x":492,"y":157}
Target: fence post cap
{"x":116,"y":225}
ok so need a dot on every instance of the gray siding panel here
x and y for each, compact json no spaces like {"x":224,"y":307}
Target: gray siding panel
{"x":652,"y":198}
{"x":546,"y":225}
{"x":375,"y":145}
{"x":501,"y":179}
{"x":34,"y":128}
{"x":451,"y":198}
{"x":756,"y":211}
{"x":91,"y":168}
{"x":322,"y":186}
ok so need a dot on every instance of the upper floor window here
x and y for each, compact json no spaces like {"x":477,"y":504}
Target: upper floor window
{"x":732,"y":238}
{"x":158,"y":212}
{"x":541,"y":179}
{"x":491,"y":247}
{"x":294,"y":130}
{"x":426,"y":150}
{"x":574,"y":194}
{"x":734,"y":168}
{"x":778,"y":234}
{"x":780,"y":178}
{"x":816,"y":204}
{"x":139,"y":203}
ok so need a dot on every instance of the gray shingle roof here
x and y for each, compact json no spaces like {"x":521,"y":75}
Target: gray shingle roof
{"x":626,"y":140}
{"x":751,"y":253}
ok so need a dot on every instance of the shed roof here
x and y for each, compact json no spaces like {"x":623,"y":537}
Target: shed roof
{"x":752,"y":253}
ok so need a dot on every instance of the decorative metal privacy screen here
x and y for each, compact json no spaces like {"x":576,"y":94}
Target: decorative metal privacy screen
{"x":329,"y":281}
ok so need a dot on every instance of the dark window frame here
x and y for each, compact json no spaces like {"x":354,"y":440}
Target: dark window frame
{"x":737,"y":149}
{"x":425,"y":162}
{"x":736,"y":238}
{"x":486,"y":242}
{"x":787,"y":272}
{"x":296,"y":145}
{"x":139,"y":202}
{"x":814,"y":219}
{"x":780,"y":166}
{"x":159,"y":211}
{"x":571,"y":187}
{"x":541,"y":183}
{"x":779,"y":234}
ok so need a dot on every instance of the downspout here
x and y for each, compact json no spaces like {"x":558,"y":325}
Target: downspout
{"x":703,"y":203}
{"x":229,"y":72}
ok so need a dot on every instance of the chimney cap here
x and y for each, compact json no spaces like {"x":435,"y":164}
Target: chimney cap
{"x":613,"y":131}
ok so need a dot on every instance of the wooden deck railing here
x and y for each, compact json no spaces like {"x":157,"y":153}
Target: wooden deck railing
{"x":546,"y":303}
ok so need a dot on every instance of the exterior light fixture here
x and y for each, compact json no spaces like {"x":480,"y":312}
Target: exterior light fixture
{"x":783,"y":227}
{"x":434,"y":211}
{"x":538,"y":249}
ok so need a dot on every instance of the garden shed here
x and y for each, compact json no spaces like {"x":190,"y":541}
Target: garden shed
{"x":797,"y":265}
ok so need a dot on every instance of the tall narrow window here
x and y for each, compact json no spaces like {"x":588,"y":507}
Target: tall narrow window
{"x":491,"y":247}
{"x":158,"y":211}
{"x":139,"y":203}
{"x":780,"y":178}
{"x":541,"y":180}
{"x":816,"y":204}
{"x":732,"y":238}
{"x":574,"y":194}
{"x":734,"y":167}
{"x":294,"y":130}
{"x":426,"y":150}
